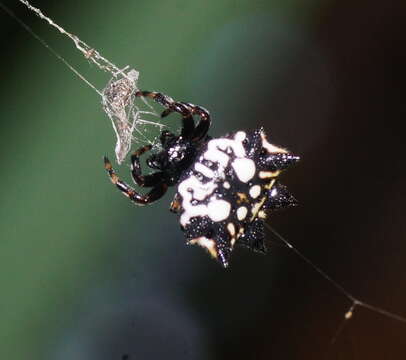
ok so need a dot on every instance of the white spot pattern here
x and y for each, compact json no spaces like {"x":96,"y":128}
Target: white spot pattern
{"x":190,"y":189}
{"x":244,"y":169}
{"x":242,"y":213}
{"x":255,"y":191}
{"x":218,"y":151}
{"x":218,"y":210}
{"x":231,"y":229}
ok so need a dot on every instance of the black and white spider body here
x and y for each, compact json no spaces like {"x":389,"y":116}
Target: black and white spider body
{"x":224,"y":185}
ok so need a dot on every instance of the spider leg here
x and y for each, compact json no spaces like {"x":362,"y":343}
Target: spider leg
{"x":176,"y":204}
{"x":200,"y":131}
{"x":165,"y":137}
{"x":143,"y":180}
{"x":156,"y":193}
{"x":204,"y":124}
{"x":188,"y":128}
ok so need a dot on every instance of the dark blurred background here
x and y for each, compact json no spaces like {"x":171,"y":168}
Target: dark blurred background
{"x":86,"y":275}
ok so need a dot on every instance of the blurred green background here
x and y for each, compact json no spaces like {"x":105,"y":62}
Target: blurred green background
{"x":86,"y":275}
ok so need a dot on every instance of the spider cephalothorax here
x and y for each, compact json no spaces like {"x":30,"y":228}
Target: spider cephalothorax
{"x":224,"y":185}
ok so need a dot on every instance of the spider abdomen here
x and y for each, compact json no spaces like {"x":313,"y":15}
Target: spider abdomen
{"x":224,"y":194}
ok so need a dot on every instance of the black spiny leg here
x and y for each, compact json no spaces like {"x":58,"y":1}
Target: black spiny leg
{"x":200,"y":131}
{"x":156,"y":193}
{"x":204,"y":124}
{"x":188,"y":128}
{"x":188,"y":124}
{"x":160,"y":98}
{"x":141,"y":180}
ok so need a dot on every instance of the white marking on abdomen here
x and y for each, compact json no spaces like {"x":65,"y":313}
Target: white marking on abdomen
{"x":209,"y":244}
{"x":244,"y":169}
{"x":257,"y":207}
{"x":272,"y":149}
{"x":204,"y":170}
{"x":193,"y":189}
{"x":231,"y":229}
{"x":268,"y":174}
{"x":242,"y":213}
{"x":240,"y":136}
{"x":216,"y":148}
{"x":255,"y":191}
{"x":218,"y":210}
{"x":190,"y":189}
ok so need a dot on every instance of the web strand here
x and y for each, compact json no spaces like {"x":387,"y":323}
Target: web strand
{"x":118,"y":97}
{"x":347,"y":316}
{"x":354,"y":301}
{"x":88,"y":52}
{"x":45,"y":44}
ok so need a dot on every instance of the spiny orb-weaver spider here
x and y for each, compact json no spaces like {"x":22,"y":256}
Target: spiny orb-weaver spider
{"x":225,"y":185}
